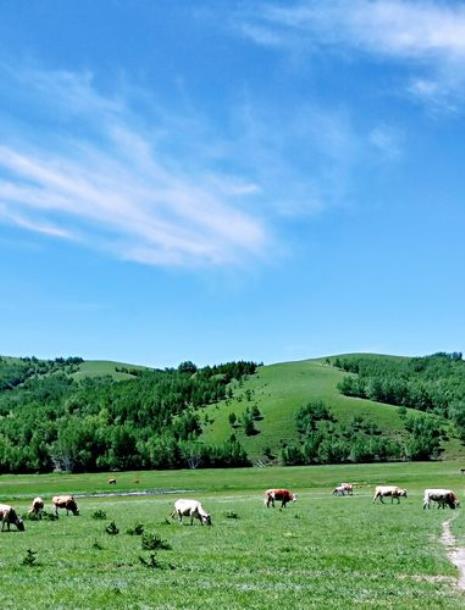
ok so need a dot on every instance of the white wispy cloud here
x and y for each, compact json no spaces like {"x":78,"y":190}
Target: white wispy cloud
{"x":429,"y":35}
{"x":92,"y":174}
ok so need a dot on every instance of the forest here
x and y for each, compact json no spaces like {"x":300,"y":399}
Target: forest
{"x":433,"y":384}
{"x":49,"y":421}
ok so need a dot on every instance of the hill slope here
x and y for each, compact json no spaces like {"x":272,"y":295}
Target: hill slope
{"x":279,"y":390}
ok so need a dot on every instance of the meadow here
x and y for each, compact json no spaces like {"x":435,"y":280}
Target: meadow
{"x":321,"y":552}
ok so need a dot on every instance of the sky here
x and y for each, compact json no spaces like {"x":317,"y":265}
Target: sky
{"x":216,"y":180}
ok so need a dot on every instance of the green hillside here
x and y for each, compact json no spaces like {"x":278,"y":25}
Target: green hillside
{"x":97,"y":368}
{"x":279,"y":390}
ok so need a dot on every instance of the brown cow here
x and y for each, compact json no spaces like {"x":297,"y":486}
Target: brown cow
{"x":284,"y":495}
{"x":66,"y":502}
{"x":9,"y":516}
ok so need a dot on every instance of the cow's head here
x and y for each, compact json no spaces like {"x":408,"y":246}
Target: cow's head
{"x":73,"y":507}
{"x":293,"y":497}
{"x":20,"y":524}
{"x":403,"y":493}
{"x":452,"y":501}
{"x":206,"y":520}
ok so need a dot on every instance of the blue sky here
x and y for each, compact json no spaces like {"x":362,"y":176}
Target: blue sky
{"x":221,"y":180}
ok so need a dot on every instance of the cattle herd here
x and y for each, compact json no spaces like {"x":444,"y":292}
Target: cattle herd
{"x":193,"y":509}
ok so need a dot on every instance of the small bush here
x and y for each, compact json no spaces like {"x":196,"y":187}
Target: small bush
{"x":153,"y":542}
{"x":49,"y":516}
{"x":30,"y":517}
{"x":30,"y":558}
{"x":152,"y":562}
{"x":99,"y":514}
{"x":97,"y":546}
{"x":137,"y":530}
{"x":111,"y":529}
{"x":231,"y":515}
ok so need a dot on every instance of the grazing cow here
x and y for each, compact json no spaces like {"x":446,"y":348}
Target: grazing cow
{"x":111,"y":481}
{"x":348,"y":487}
{"x":383,"y":491}
{"x":191,"y":508}
{"x":9,"y":516}
{"x":66,"y":502}
{"x":284,"y":495}
{"x":340,"y":490}
{"x":442,"y":497}
{"x":37,"y":507}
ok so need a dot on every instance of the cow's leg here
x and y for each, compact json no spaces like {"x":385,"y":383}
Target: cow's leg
{"x":381,"y":499}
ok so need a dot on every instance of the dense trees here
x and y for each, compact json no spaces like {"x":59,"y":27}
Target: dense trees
{"x":435,"y":384}
{"x":324,"y":440}
{"x":49,"y":420}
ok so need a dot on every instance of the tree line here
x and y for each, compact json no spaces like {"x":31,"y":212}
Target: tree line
{"x":49,"y":420}
{"x":435,"y":384}
{"x":322,"y":439}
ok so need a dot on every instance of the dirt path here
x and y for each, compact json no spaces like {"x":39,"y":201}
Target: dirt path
{"x":456,"y":554}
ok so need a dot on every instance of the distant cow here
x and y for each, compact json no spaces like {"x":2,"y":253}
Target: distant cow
{"x":283,"y":495}
{"x":192,"y":509}
{"x":111,"y":481}
{"x":348,"y":488}
{"x":339,"y":491}
{"x":386,"y":491}
{"x":66,"y":502}
{"x":9,"y":516}
{"x":37,"y":507}
{"x":442,"y":497}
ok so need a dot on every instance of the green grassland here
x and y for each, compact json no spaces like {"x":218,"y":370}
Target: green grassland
{"x":321,"y":552}
{"x":97,"y":368}
{"x":280,"y":390}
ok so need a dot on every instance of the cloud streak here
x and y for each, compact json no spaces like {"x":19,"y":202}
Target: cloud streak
{"x":111,"y":187}
{"x":428,"y":35}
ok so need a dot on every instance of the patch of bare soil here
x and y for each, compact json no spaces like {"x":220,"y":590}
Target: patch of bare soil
{"x":455,"y":553}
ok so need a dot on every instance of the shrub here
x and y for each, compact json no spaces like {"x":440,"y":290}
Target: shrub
{"x":137,"y":530}
{"x":30,"y":558}
{"x":111,"y":529}
{"x":153,"y":542}
{"x":99,"y":514}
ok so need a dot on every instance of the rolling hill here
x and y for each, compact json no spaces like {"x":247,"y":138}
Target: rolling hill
{"x":103,"y":414}
{"x":279,"y":390}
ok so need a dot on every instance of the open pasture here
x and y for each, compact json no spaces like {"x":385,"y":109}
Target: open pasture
{"x":321,"y":552}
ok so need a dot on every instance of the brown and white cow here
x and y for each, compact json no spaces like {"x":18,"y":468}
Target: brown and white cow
{"x":9,"y":516}
{"x":442,"y":497}
{"x":282,"y":495}
{"x":386,"y":491}
{"x":112,"y":481}
{"x":37,"y":507}
{"x":348,"y":488}
{"x":66,"y":502}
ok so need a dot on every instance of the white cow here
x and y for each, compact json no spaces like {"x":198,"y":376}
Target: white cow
{"x":386,"y":491}
{"x":340,"y":490}
{"x":442,"y":497}
{"x":191,"y":508}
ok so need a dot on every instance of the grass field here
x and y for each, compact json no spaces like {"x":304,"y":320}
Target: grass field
{"x":321,"y":552}
{"x":280,"y":390}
